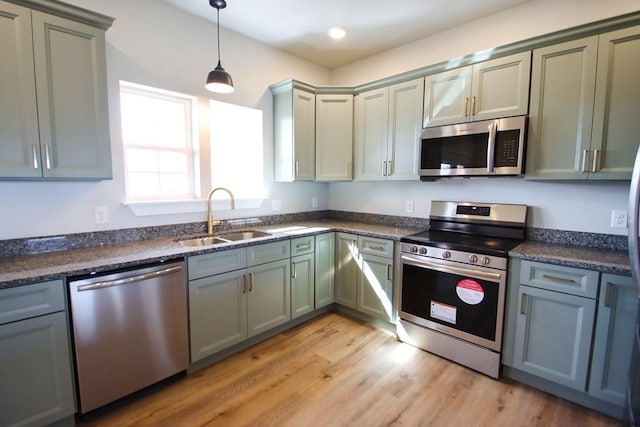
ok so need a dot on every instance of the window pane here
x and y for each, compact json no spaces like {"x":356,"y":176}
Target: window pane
{"x":158,"y":137}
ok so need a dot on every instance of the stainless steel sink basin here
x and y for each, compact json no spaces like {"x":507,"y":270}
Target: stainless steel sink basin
{"x":223,"y":238}
{"x":243,"y":235}
{"x":202,"y":241}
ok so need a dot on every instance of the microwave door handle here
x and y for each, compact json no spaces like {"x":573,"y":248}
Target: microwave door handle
{"x":491,"y":146}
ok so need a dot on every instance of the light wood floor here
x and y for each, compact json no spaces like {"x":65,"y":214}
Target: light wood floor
{"x":337,"y":371}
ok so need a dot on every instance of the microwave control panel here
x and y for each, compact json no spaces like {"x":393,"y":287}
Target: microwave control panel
{"x":507,"y":148}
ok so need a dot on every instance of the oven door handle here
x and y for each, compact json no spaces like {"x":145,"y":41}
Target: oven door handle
{"x":451,"y":269}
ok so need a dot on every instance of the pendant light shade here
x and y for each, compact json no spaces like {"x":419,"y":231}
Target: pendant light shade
{"x":219,"y":80}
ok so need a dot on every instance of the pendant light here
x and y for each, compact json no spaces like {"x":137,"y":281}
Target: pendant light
{"x":218,"y":79}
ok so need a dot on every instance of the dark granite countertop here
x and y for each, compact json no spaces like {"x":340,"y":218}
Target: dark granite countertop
{"x":24,"y":269}
{"x":604,"y":260}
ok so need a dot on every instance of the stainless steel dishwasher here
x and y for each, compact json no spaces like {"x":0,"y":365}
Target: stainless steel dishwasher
{"x":130,"y":331}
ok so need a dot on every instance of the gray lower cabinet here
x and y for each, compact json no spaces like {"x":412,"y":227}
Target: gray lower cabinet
{"x":364,"y":274}
{"x":302,"y":276}
{"x":325,"y":260}
{"x":236,"y":294}
{"x":36,"y":380}
{"x":613,"y":339}
{"x":571,"y":331}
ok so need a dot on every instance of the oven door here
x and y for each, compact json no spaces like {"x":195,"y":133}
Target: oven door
{"x":457,"y":299}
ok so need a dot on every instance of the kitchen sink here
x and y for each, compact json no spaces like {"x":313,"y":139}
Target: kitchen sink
{"x":202,"y":241}
{"x":243,"y":235}
{"x":235,"y":236}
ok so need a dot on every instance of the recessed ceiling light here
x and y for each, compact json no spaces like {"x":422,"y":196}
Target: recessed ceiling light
{"x":337,"y":33}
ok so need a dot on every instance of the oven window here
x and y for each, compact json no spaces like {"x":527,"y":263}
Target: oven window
{"x":469,"y":305}
{"x":463,"y":151}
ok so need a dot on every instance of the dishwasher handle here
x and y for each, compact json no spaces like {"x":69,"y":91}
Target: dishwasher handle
{"x":128,"y":280}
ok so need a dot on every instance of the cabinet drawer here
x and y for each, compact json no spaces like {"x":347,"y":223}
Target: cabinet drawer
{"x":34,"y":300}
{"x":375,"y":246}
{"x":302,"y":245}
{"x":216,"y":263}
{"x":27,"y":301}
{"x":575,"y":281}
{"x":268,"y":252}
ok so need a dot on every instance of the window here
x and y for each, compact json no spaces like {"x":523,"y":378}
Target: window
{"x":236,"y":149}
{"x":160,"y":151}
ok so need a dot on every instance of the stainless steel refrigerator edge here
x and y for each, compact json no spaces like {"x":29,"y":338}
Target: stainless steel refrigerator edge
{"x":633,"y":394}
{"x":130,"y":331}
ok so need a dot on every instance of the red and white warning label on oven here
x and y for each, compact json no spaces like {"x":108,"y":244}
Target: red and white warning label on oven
{"x":470,"y":291}
{"x":443,"y":312}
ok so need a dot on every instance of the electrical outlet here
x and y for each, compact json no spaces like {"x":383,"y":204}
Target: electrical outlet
{"x":618,"y":218}
{"x":314,"y":202}
{"x":101,"y":214}
{"x":409,"y":206}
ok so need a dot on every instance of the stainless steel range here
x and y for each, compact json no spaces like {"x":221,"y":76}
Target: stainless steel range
{"x":454,"y":279}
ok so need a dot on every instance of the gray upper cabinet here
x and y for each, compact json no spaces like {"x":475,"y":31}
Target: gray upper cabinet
{"x":585,"y":95}
{"x":487,"y":90}
{"x":54,"y":123}
{"x":387,"y":127}
{"x":294,"y":114}
{"x":334,"y":137}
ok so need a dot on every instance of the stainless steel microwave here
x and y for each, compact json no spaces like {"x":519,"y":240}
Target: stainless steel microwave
{"x":486,"y":148}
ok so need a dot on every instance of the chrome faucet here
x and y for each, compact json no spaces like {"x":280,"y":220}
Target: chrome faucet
{"x":210,"y":221}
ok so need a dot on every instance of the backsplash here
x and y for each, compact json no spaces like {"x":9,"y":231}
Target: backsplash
{"x":44,"y":244}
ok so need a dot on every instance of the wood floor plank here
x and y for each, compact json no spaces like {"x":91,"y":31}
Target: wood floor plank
{"x":339,"y":371}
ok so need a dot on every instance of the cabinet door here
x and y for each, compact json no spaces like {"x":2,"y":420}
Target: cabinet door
{"x":304,"y":134}
{"x":269,"y":296}
{"x":334,"y":137}
{"x":20,"y":147}
{"x":553,"y":336}
{"x":617,"y":101}
{"x":447,"y":97}
{"x":217,"y":313}
{"x":37,"y":387}
{"x":375,"y":287}
{"x":347,"y":269}
{"x":613,"y":341}
{"x":302,"y":285}
{"x":500,"y":87}
{"x":405,"y":125}
{"x":371,"y":133}
{"x":72,"y":98}
{"x":325,"y":269}
{"x":561,"y":109}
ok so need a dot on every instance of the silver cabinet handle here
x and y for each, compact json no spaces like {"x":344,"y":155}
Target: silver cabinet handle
{"x":244,"y":283}
{"x":389,"y":168}
{"x":607,"y":295}
{"x":376,"y":248}
{"x":293,"y":270}
{"x":250,"y":282}
{"x":523,"y":301}
{"x":34,"y":153}
{"x":389,"y":269}
{"x":47,"y":157}
{"x":473,"y":105}
{"x":596,"y":159}
{"x":128,"y":280}
{"x":585,"y":155}
{"x":297,"y":172}
{"x":466,"y":107}
{"x":384,"y":168}
{"x":306,"y":245}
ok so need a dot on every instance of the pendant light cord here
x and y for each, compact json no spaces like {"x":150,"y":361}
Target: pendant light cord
{"x":218,"y":27}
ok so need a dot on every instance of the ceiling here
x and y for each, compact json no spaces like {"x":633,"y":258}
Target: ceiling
{"x":300,"y":26}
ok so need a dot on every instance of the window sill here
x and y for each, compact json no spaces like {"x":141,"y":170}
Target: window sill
{"x":173,"y":207}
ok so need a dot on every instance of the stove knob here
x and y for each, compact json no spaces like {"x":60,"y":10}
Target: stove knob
{"x":446,"y":254}
{"x":486,"y":260}
{"x":473,"y":259}
{"x":423,"y":251}
{"x":413,"y":249}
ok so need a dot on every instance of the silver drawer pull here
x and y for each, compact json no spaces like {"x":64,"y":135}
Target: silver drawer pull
{"x":558,"y":279}
{"x":303,"y":245}
{"x":376,"y":248}
{"x":523,"y":301}
{"x":607,"y":295}
{"x":35,"y":156}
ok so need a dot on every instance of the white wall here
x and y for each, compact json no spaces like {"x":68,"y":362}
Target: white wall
{"x":155,"y":44}
{"x":565,"y":206}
